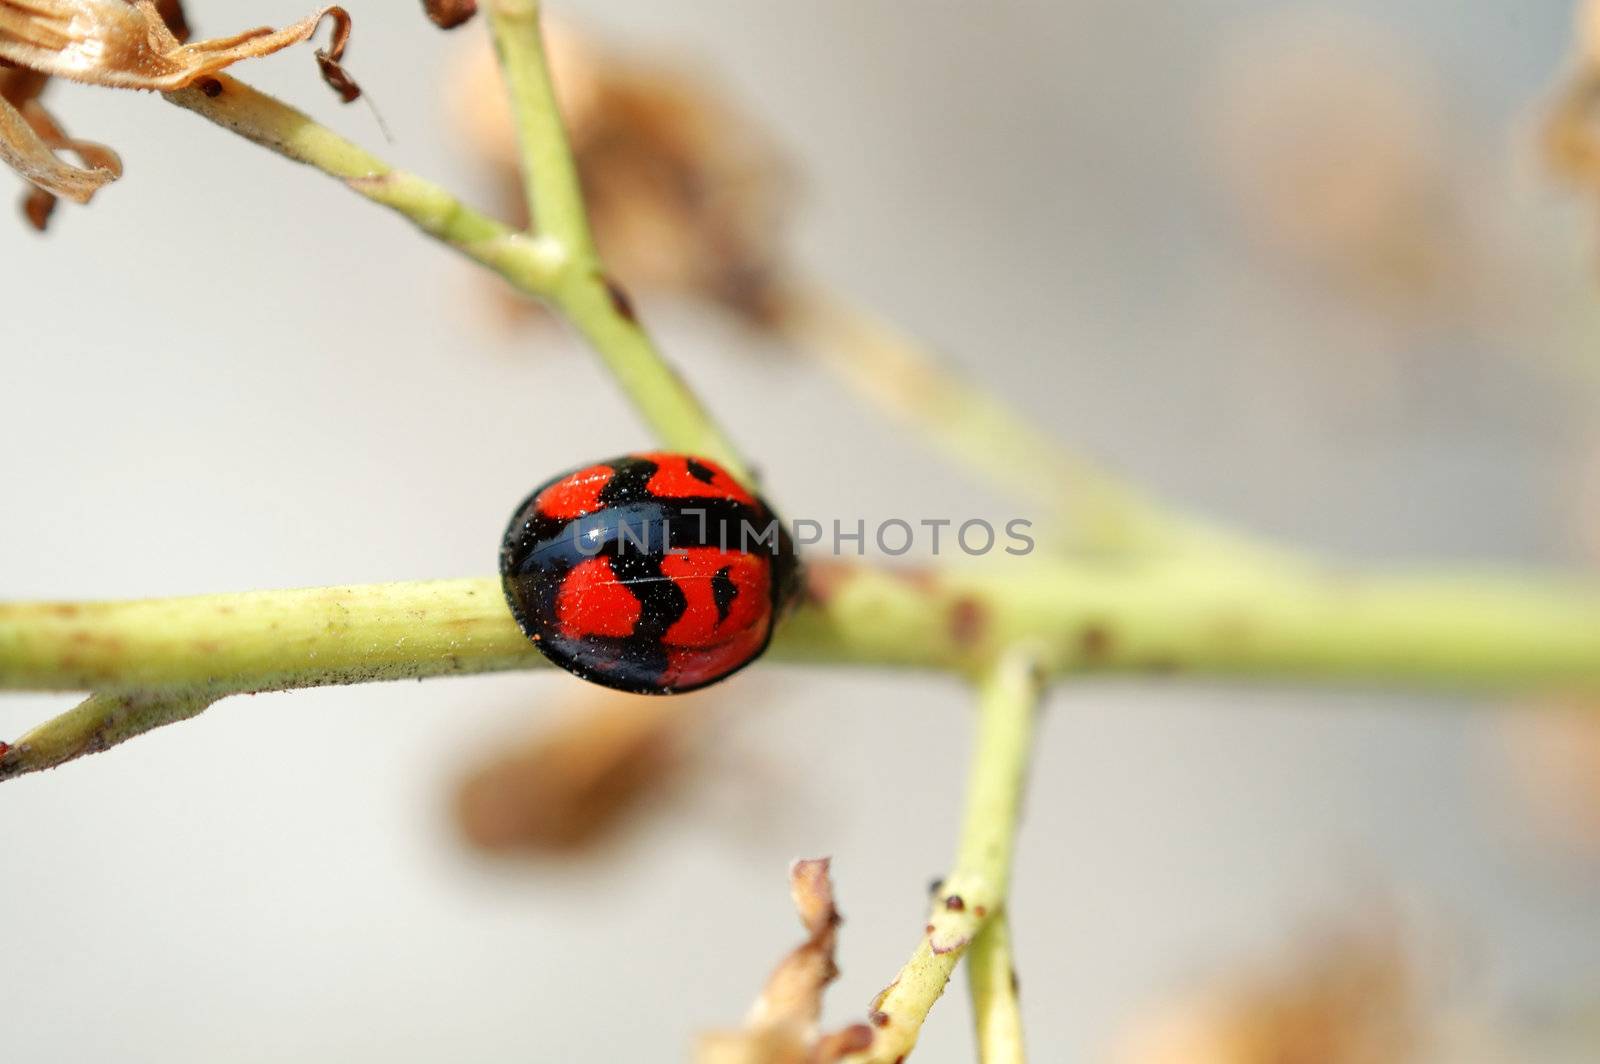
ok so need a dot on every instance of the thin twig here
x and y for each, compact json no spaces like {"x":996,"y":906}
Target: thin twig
{"x":971,"y":426}
{"x":542,"y":266}
{"x":96,"y":724}
{"x":550,"y":176}
{"x":976,"y":888}
{"x":991,"y":972}
{"x":530,"y":265}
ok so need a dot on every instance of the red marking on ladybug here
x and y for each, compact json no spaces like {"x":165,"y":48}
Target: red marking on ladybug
{"x":593,"y":602}
{"x":654,"y":573}
{"x":575,"y":494}
{"x":681,"y":477}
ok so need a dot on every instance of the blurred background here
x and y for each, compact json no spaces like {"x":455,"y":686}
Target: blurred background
{"x":1297,"y":266}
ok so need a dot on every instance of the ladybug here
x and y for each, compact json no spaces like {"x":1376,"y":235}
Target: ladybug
{"x":652,"y":573}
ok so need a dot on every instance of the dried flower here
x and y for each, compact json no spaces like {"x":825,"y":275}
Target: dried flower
{"x":138,"y":45}
{"x":684,"y":193}
{"x":781,"y":1027}
{"x":112,"y":43}
{"x":29,"y":141}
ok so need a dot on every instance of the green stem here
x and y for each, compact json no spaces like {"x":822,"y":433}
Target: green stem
{"x":1468,"y":631}
{"x":973,"y":427}
{"x":96,"y":724}
{"x":558,"y":266}
{"x":993,"y":981}
{"x":530,"y":265}
{"x":588,"y":297}
{"x":550,"y":177}
{"x":975,"y":890}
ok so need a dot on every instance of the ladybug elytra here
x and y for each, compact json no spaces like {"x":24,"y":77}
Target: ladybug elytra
{"x":651,"y":573}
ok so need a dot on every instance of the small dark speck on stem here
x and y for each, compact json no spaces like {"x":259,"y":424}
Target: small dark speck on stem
{"x":210,"y":86}
{"x":1094,"y":641}
{"x":955,"y":903}
{"x":968,"y":619}
{"x":619,"y":300}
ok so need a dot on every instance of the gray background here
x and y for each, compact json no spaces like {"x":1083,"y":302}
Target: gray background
{"x":228,"y":373}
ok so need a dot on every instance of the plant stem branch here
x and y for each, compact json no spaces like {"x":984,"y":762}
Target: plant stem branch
{"x":1467,"y":631}
{"x":973,"y":427}
{"x":558,"y":266}
{"x":529,"y":265}
{"x":996,"y":1011}
{"x":96,"y":724}
{"x":550,"y":177}
{"x":975,"y":890}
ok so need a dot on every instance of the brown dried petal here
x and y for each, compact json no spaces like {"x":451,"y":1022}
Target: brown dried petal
{"x":448,"y":14}
{"x":781,"y":1027}
{"x":171,"y":12}
{"x":30,"y":154}
{"x":108,"y":42}
{"x":328,"y":60}
{"x":37,"y":206}
{"x":793,"y":995}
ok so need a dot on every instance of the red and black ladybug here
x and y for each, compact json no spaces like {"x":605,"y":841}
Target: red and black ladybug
{"x":652,"y":573}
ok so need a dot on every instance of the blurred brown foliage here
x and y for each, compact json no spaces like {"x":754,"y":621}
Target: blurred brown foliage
{"x":685,"y":193}
{"x":1349,"y":999}
{"x":577,"y":782}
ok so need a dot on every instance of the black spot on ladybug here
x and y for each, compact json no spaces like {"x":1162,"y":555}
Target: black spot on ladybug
{"x":630,"y":481}
{"x":701,"y":472}
{"x":723,"y":592}
{"x":661,"y":602}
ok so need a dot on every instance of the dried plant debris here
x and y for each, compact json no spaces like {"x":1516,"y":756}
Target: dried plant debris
{"x":577,"y":783}
{"x":1571,"y":132}
{"x":1546,"y":756}
{"x":1351,"y":998}
{"x":781,"y":1027}
{"x":118,"y":44}
{"x":29,"y":141}
{"x":686,"y":195}
{"x":448,"y":14}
